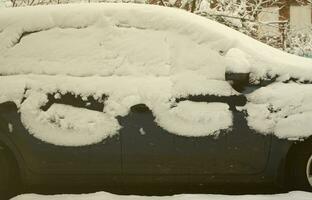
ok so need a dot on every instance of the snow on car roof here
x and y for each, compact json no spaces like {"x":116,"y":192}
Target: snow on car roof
{"x":130,"y":39}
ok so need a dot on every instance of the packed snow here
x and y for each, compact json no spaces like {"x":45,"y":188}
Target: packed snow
{"x":296,"y":195}
{"x":141,"y":54}
{"x":71,"y":126}
{"x":64,"y":124}
{"x":284,"y":109}
{"x":129,"y":39}
{"x":109,"y":39}
{"x":198,"y":118}
{"x":237,"y":61}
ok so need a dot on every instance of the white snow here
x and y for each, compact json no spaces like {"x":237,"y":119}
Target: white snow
{"x":129,"y":39}
{"x":85,"y":40}
{"x":11,"y":89}
{"x":71,"y":126}
{"x":64,"y":124}
{"x":142,"y":132}
{"x":237,"y":61}
{"x":10,"y":127}
{"x":197,"y":118}
{"x":284,"y":109}
{"x":137,"y":54}
{"x":295,"y":195}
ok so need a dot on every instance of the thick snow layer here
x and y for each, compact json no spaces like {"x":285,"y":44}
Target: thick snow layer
{"x":237,"y":61}
{"x":11,"y":89}
{"x":129,"y":39}
{"x":284,"y":109}
{"x":85,"y":40}
{"x":140,"y":54}
{"x":296,"y":195}
{"x":73,"y":126}
{"x":64,"y":124}
{"x":198,"y":118}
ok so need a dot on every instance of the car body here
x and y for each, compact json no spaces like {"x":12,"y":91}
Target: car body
{"x":242,"y":155}
{"x":144,"y":152}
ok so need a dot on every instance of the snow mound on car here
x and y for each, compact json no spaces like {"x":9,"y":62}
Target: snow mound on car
{"x":104,"y":40}
{"x":66,"y":125}
{"x":130,"y":39}
{"x":134,"y":54}
{"x":198,"y":118}
{"x":284,"y":109}
{"x":74,"y":126}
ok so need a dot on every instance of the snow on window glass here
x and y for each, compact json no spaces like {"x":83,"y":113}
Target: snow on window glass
{"x":69,"y":111}
{"x":282,"y":109}
{"x":110,"y":49}
{"x":64,"y":124}
{"x":110,"y":39}
{"x":189,"y":118}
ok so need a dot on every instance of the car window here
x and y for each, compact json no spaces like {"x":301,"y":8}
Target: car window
{"x":67,"y":119}
{"x":75,"y":100}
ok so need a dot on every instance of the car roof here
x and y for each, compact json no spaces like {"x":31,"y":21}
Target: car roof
{"x":133,"y":40}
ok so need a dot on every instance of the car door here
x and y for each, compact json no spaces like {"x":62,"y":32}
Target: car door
{"x":39,"y":156}
{"x":148,"y":149}
{"x":46,"y":158}
{"x":248,"y":150}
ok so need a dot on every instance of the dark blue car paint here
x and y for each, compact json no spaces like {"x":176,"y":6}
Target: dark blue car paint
{"x":157,"y":157}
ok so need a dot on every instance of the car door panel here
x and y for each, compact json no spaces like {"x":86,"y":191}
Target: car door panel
{"x":40,"y":156}
{"x":43,"y":157}
{"x":145,"y":148}
{"x":236,"y":151}
{"x":160,"y":152}
{"x":248,"y":151}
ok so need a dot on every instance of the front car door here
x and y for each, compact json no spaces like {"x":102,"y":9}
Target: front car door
{"x":148,"y":149}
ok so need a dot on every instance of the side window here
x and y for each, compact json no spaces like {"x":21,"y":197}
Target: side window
{"x":76,"y":101}
{"x":211,"y":114}
{"x":199,"y":115}
{"x":67,"y":119}
{"x":232,"y":101}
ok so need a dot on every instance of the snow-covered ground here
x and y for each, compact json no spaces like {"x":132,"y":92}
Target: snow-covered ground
{"x":296,"y":195}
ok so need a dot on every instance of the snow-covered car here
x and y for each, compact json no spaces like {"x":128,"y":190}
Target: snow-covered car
{"x":113,"y":95}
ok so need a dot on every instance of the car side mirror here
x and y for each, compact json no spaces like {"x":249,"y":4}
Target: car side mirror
{"x":238,"y":80}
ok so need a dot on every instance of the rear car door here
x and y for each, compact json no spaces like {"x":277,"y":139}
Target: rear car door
{"x":149,"y":149}
{"x":47,"y":158}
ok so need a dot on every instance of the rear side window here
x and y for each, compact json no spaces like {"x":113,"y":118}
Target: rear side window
{"x":67,"y":120}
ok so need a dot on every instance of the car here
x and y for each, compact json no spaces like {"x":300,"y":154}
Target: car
{"x":139,"y":96}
